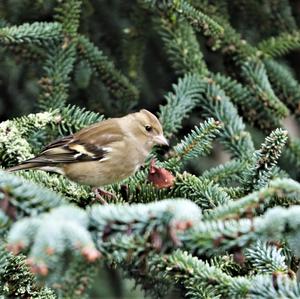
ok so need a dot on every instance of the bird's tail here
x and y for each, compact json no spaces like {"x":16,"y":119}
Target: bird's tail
{"x":24,"y":166}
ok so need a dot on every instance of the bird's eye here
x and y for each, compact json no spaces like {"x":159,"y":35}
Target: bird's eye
{"x":148,"y":128}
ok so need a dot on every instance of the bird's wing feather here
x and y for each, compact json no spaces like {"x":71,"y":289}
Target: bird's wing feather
{"x":85,"y":145}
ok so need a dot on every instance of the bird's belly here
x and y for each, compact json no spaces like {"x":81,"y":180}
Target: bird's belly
{"x":101,"y":173}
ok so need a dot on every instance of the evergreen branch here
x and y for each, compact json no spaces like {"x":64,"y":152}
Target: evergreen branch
{"x":38,"y":33}
{"x":277,"y":286}
{"x":212,"y":237}
{"x":140,"y":218}
{"x":199,"y":20}
{"x":30,"y":123}
{"x":77,"y":280}
{"x":79,"y":194}
{"x":16,"y":279}
{"x":25,"y":197}
{"x":198,"y":142}
{"x":201,"y":280}
{"x":198,"y":278}
{"x":248,"y":102}
{"x":225,"y":173}
{"x":256,"y":76}
{"x":195,"y":277}
{"x":54,"y":83}
{"x":206,"y":195}
{"x":233,"y":45}
{"x":285,"y":85}
{"x":196,"y":18}
{"x":46,"y":247}
{"x":61,"y":58}
{"x":70,"y":235}
{"x":279,"y":191}
{"x":216,"y":104}
{"x":203,"y":192}
{"x":72,"y":118}
{"x":14,"y":146}
{"x":280,"y":45}
{"x":116,"y":83}
{"x":180,"y":103}
{"x":264,"y":160}
{"x":68,"y":14}
{"x":265,"y":258}
{"x":181,"y":46}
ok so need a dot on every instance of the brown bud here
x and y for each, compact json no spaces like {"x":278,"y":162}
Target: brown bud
{"x":91,"y":254}
{"x":160,"y":177}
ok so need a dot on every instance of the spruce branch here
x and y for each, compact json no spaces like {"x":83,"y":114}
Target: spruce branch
{"x":198,"y":278}
{"x":266,"y":258}
{"x":141,"y":218}
{"x":214,"y":103}
{"x":264,"y":160}
{"x":214,"y":237}
{"x":71,"y":119}
{"x":247,"y":101}
{"x":180,"y":102}
{"x":39,"y":33}
{"x":73,"y":192}
{"x":198,"y":142}
{"x":68,"y":14}
{"x":55,"y":81}
{"x":14,"y":146}
{"x":280,"y":45}
{"x":225,"y":173}
{"x":181,"y":46}
{"x":116,"y":83}
{"x":203,"y":192}
{"x":47,"y":244}
{"x":16,"y":279}
{"x":255,"y":74}
{"x":195,"y":17}
{"x":195,"y":277}
{"x":285,"y":85}
{"x":199,"y":20}
{"x":26,"y":197}
{"x":61,"y":58}
{"x":279,"y":191}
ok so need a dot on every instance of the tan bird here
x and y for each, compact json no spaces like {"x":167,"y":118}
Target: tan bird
{"x":103,"y":153}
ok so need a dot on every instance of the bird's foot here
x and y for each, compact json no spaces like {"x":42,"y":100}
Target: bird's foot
{"x":100,"y":194}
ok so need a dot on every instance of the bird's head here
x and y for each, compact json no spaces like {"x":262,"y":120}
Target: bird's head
{"x":147,"y":128}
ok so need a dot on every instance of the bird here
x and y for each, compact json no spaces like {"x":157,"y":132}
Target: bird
{"x":103,"y":153}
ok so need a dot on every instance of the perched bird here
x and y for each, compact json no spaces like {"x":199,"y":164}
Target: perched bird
{"x":103,"y":153}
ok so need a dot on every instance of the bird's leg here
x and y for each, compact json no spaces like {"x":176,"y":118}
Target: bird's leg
{"x":100,"y":194}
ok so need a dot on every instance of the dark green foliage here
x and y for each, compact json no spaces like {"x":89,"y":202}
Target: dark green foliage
{"x":183,"y":53}
{"x":16,"y":280}
{"x":212,"y":217}
{"x":117,"y":84}
{"x":55,"y":81}
{"x":264,"y":160}
{"x":24,"y":197}
{"x":38,"y":33}
{"x":280,"y":45}
{"x":185,"y":97}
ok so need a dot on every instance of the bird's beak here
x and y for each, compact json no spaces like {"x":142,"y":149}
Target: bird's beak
{"x":161,"y":140}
